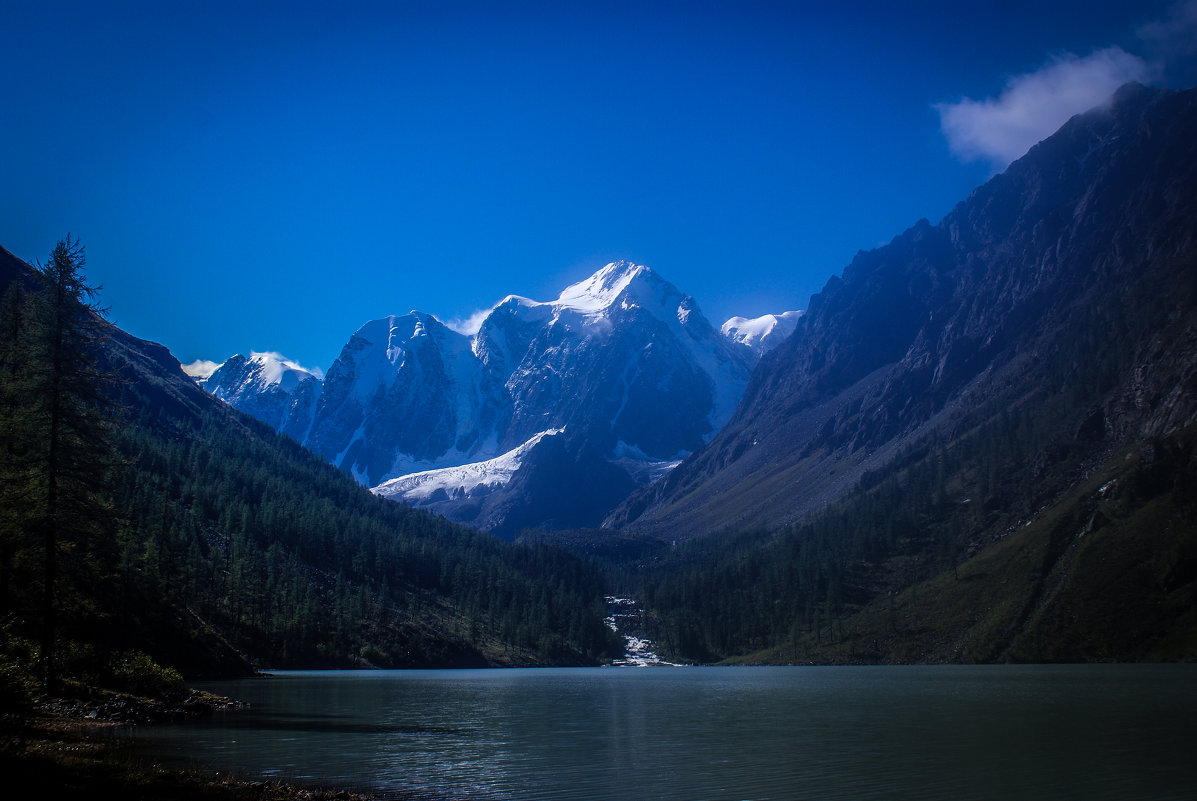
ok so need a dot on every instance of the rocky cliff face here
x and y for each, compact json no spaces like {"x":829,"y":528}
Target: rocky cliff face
{"x":1090,"y":238}
{"x":623,"y":357}
{"x":405,"y":394}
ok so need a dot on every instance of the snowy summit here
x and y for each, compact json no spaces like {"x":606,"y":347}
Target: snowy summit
{"x":623,"y":360}
{"x":761,"y":334}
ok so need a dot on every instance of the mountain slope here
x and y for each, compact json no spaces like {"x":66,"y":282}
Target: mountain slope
{"x":949,"y":325}
{"x":233,"y":538}
{"x":1015,"y":479}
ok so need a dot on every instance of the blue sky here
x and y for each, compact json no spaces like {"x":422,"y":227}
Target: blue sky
{"x":269,"y":176}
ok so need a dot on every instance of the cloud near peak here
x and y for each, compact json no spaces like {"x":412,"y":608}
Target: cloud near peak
{"x":470,"y":325}
{"x":200,"y":368}
{"x":275,"y":356}
{"x":1033,"y":106}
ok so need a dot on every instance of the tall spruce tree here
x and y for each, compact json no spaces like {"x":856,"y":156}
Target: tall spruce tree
{"x":56,"y":448}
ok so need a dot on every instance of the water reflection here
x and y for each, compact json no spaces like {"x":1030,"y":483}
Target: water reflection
{"x":716,"y":733}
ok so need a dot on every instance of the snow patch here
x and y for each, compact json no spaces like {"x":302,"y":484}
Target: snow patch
{"x":643,"y":468}
{"x":463,"y":481}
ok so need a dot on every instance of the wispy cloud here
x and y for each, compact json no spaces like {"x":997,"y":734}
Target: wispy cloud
{"x":200,"y":368}
{"x":268,"y":356}
{"x":470,"y":325}
{"x":1032,"y":106}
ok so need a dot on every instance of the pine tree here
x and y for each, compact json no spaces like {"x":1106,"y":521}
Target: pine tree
{"x":59,"y":442}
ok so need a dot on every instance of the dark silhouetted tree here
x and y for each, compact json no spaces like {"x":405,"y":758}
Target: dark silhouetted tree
{"x":57,"y":450}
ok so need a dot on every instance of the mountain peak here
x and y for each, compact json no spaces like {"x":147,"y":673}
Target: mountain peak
{"x":278,"y":369}
{"x":263,"y":368}
{"x":761,"y":334}
{"x":602,"y":289}
{"x":270,"y":387}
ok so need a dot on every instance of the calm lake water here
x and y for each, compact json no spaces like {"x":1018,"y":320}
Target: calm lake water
{"x":684,"y":734}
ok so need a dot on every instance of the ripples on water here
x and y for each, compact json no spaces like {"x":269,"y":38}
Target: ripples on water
{"x":681,"y":734}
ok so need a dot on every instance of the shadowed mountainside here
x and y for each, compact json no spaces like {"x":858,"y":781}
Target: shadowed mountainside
{"x":1088,"y":239}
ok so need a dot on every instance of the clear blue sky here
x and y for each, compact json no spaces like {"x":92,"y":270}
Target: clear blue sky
{"x":268,"y":176}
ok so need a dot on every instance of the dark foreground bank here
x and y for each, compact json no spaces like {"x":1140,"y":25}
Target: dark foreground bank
{"x":72,"y":749}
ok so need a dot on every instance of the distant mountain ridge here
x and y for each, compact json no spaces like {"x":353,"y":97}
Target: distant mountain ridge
{"x":623,"y":366}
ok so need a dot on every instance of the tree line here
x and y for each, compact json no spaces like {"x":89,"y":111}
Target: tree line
{"x":193,"y":535}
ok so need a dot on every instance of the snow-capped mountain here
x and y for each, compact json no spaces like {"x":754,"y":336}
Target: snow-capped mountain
{"x":270,"y":387}
{"x":405,"y":395}
{"x":761,"y":334}
{"x":623,"y":356}
{"x":622,"y":360}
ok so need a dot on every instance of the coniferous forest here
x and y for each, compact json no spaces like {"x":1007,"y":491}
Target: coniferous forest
{"x":954,"y":554}
{"x":149,"y":530}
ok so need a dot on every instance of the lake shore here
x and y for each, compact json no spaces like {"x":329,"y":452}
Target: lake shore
{"x":72,"y":748}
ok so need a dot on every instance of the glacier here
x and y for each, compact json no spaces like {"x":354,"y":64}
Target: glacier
{"x":461,"y":482}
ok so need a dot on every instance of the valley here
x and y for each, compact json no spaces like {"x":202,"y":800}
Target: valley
{"x":564,"y":401}
{"x":964,"y":437}
{"x":954,"y":395}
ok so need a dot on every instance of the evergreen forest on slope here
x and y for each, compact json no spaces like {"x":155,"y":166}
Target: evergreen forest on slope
{"x":176,"y":534}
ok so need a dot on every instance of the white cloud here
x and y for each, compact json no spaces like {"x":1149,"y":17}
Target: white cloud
{"x":268,"y":356}
{"x":200,"y":368}
{"x":470,"y":325}
{"x":1035,"y":105}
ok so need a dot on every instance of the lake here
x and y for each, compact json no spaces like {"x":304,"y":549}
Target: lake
{"x":683,"y":734}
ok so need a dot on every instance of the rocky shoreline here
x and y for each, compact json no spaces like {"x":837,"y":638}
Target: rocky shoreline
{"x":121,"y":708}
{"x":68,"y":748}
